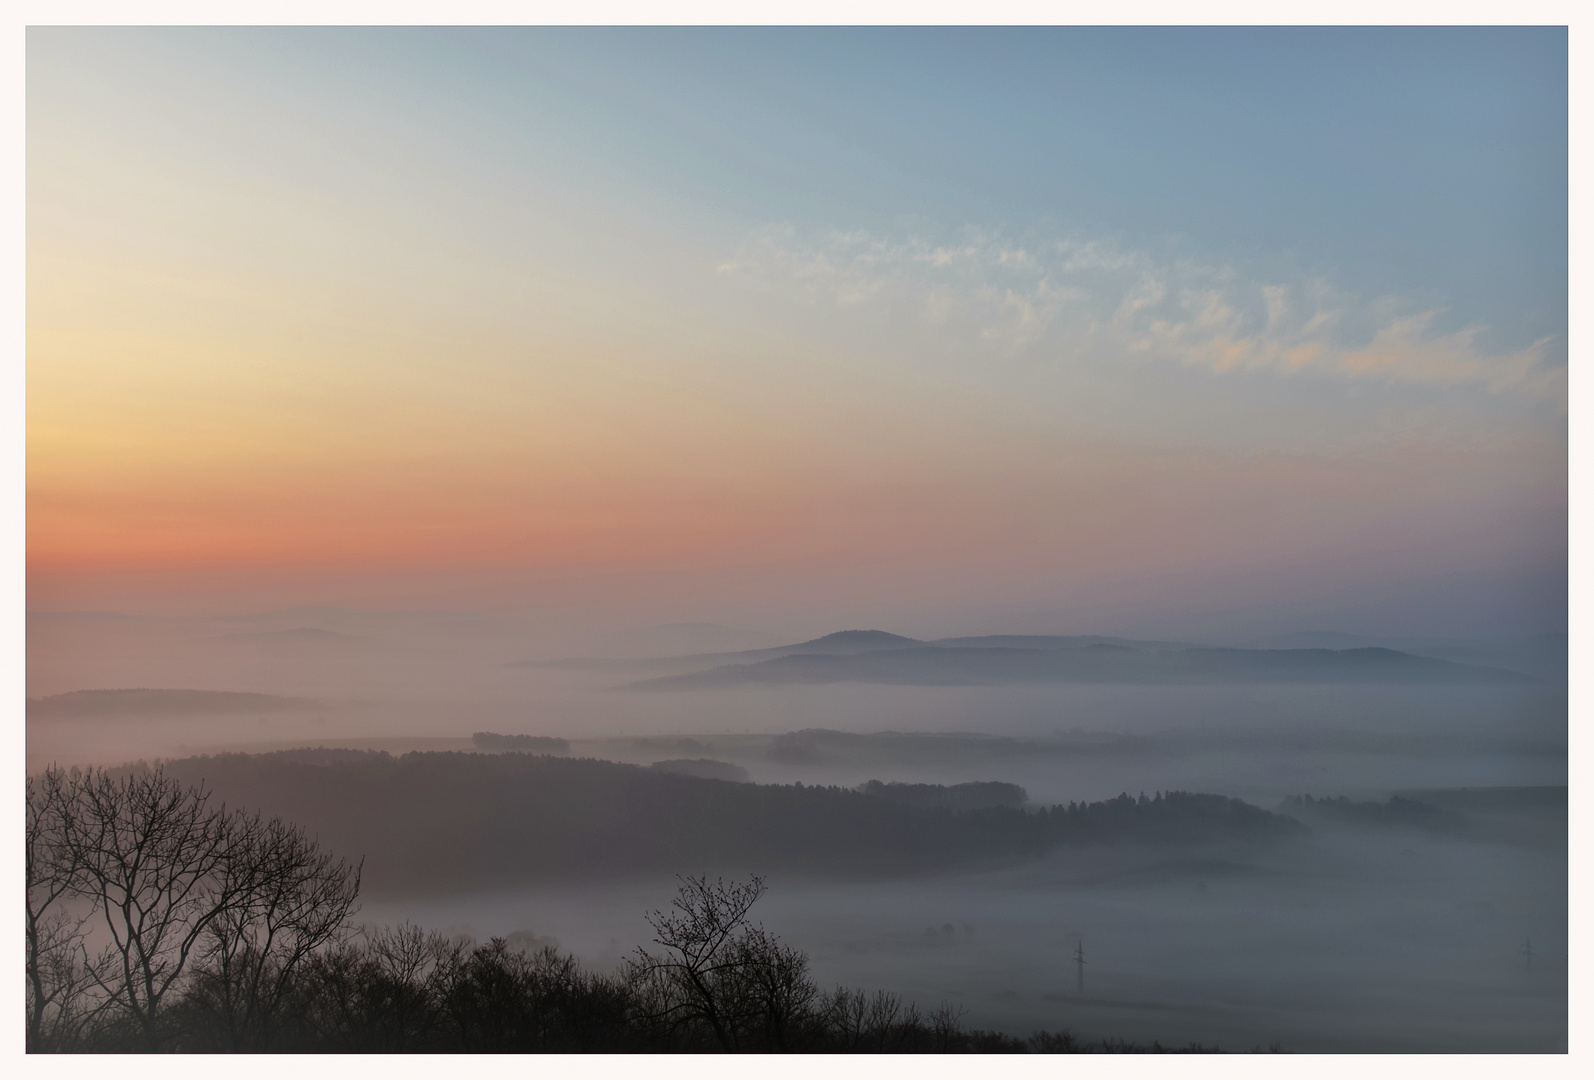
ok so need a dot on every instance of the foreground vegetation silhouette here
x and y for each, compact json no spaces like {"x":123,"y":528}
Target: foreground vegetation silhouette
{"x":157,"y":921}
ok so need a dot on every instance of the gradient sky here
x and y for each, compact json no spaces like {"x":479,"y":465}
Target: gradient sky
{"x":1091,"y":330}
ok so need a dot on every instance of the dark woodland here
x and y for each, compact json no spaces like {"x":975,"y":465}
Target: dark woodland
{"x":426,"y":822}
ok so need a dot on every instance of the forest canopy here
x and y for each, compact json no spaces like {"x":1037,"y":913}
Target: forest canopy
{"x":426,"y":822}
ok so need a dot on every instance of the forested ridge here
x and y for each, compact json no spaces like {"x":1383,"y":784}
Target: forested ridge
{"x":425,"y":822}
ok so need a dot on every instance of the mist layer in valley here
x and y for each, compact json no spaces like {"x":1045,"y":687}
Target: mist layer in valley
{"x":1348,"y":943}
{"x":1365,"y":930}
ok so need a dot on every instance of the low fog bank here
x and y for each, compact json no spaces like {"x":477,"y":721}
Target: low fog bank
{"x":1259,"y":746}
{"x":1399,"y":740}
{"x":1354,"y":940}
{"x":401,"y":681}
{"x":1060,"y":743}
{"x":434,"y":675}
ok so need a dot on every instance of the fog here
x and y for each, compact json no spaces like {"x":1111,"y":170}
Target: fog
{"x":1354,"y":938}
{"x":408,"y":678}
{"x":1351,"y":943}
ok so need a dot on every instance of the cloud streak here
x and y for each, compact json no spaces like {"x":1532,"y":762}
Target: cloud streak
{"x":1073,"y":297}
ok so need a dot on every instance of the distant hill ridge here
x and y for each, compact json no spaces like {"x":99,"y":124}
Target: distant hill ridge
{"x":147,"y":702}
{"x":877,"y":657}
{"x":847,"y":642}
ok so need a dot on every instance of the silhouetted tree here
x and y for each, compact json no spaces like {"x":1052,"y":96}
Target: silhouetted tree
{"x":58,"y":975}
{"x":174,"y":885}
{"x":382,"y":997}
{"x":289,"y":899}
{"x":877,"y":1023}
{"x":719,"y":971}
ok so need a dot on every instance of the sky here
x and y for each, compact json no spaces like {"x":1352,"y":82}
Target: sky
{"x":1074,"y":330}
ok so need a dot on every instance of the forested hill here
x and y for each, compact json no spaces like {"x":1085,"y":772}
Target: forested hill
{"x":429,"y":822}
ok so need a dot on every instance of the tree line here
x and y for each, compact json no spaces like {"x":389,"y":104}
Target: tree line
{"x":497,"y":820}
{"x":493,"y":742}
{"x":161,"y":921}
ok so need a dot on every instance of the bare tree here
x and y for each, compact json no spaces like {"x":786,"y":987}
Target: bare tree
{"x":946,"y":1027}
{"x":690,"y":983}
{"x":773,"y":984}
{"x":289,"y":899}
{"x":148,"y":854}
{"x":719,"y":971}
{"x":58,"y":976}
{"x":868,"y":1023}
{"x":380,"y":995}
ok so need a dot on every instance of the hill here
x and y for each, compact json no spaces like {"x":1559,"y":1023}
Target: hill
{"x":141,"y":702}
{"x":429,"y":822}
{"x":932,"y":665}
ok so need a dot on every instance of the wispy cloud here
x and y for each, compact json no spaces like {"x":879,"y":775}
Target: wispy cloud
{"x":1083,"y":297}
